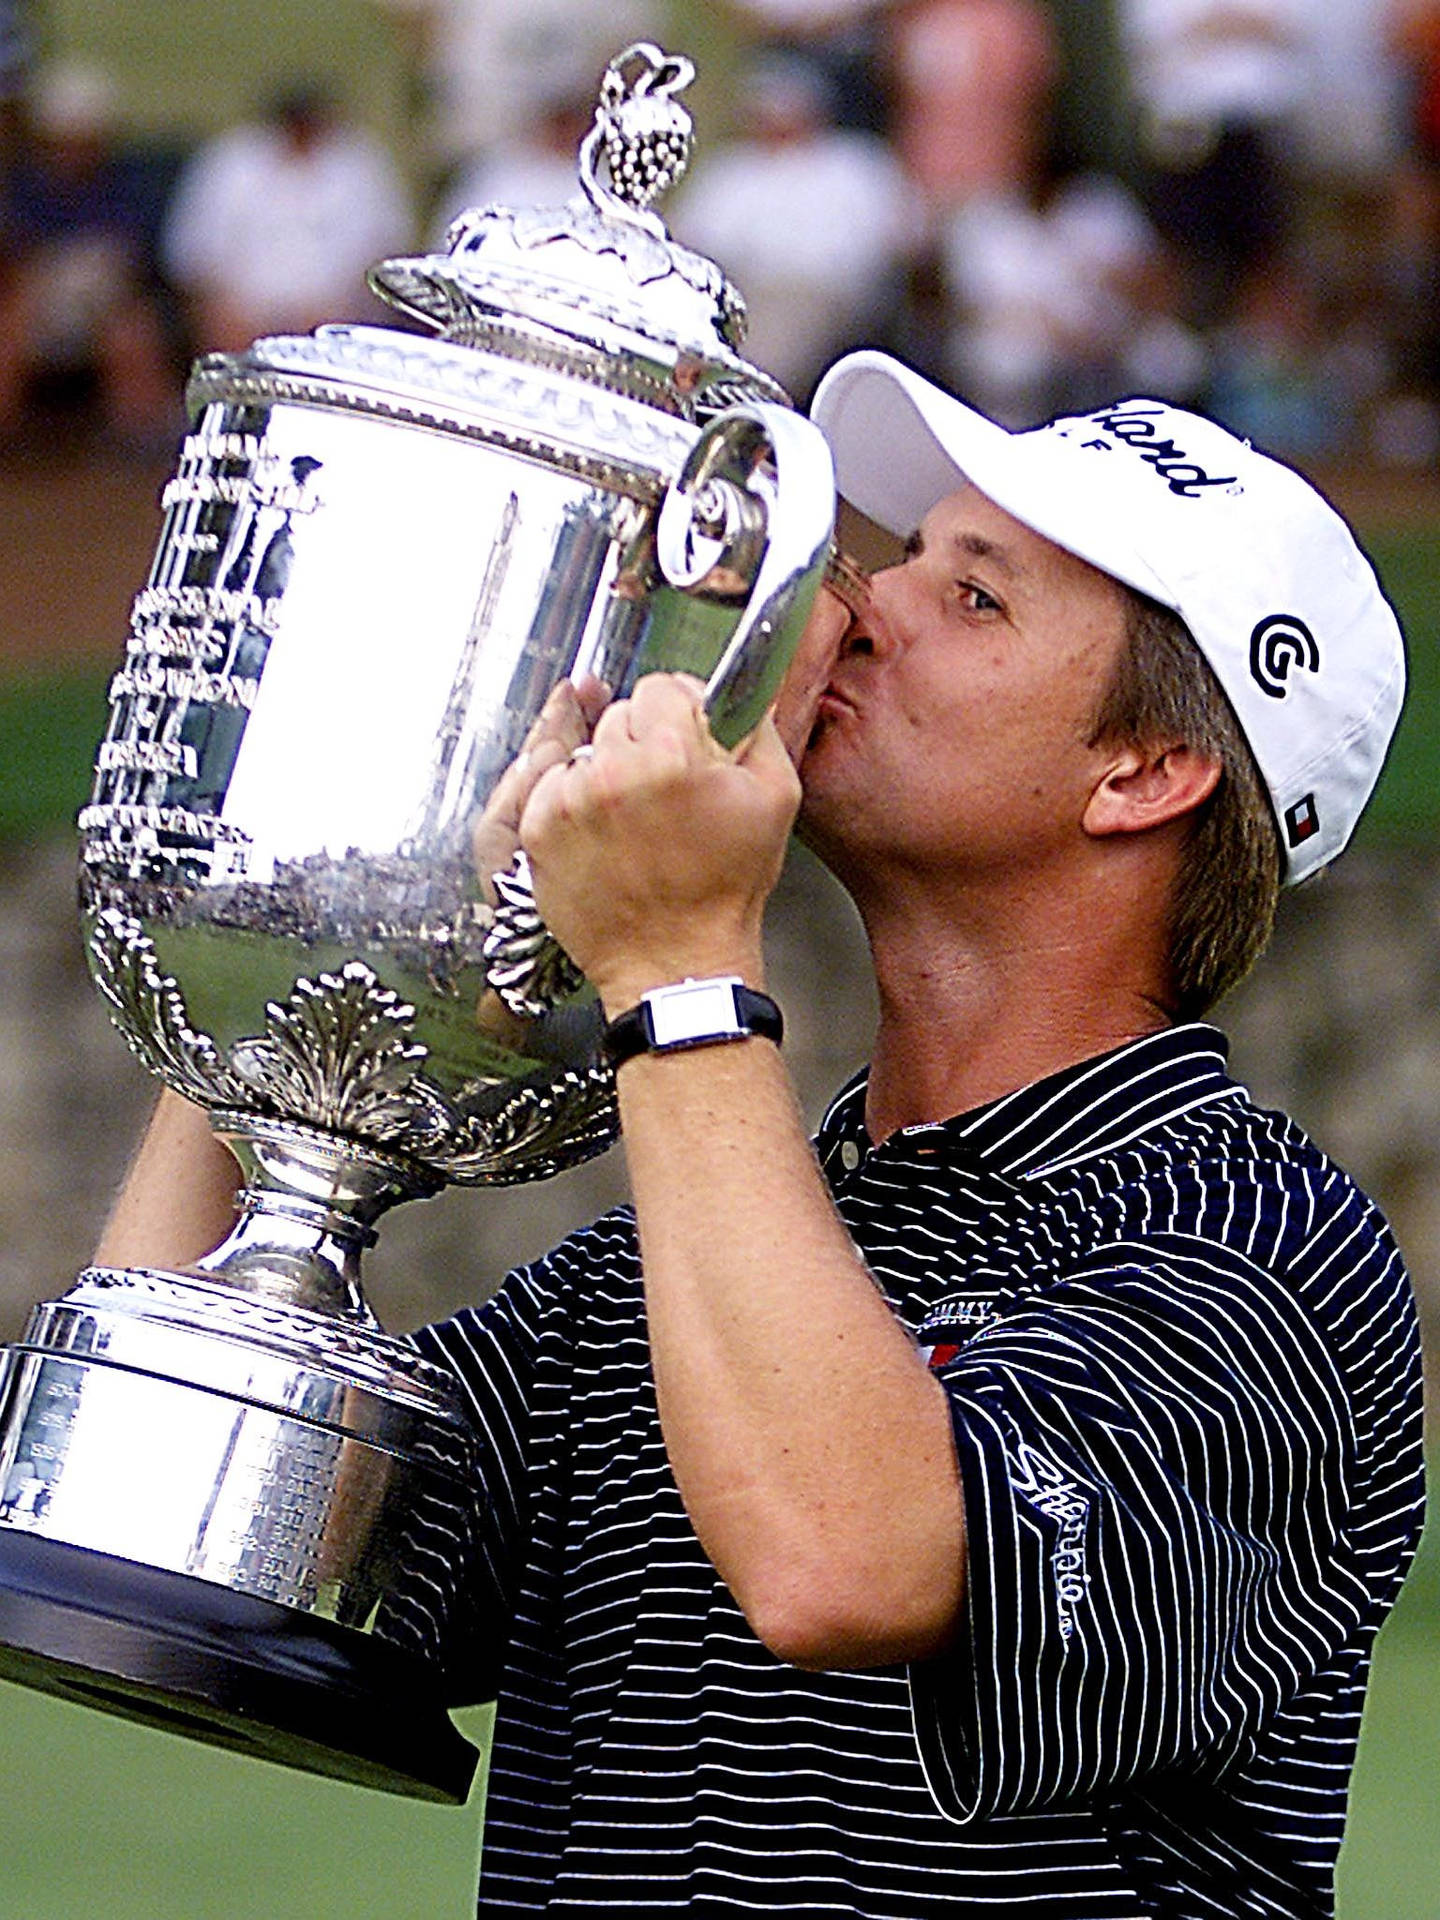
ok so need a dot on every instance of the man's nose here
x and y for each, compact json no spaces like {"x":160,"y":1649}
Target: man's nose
{"x":857,"y":638}
{"x":871,"y":629}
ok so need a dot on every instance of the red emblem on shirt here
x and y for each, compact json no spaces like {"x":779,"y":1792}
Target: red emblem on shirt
{"x":941,"y":1355}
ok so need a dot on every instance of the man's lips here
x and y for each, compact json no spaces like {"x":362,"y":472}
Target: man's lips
{"x":831,"y":708}
{"x":833,"y":701}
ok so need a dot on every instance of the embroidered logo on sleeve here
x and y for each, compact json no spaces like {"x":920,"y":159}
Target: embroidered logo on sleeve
{"x":1042,"y":1485}
{"x":951,"y":1324}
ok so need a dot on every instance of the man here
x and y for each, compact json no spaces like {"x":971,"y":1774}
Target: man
{"x":1222,"y":91}
{"x":997,"y":1512}
{"x":480,"y":71}
{"x":973,"y":83}
{"x":275,"y":221}
{"x":77,"y":292}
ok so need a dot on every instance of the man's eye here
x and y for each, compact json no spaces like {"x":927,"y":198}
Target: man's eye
{"x":979,"y":598}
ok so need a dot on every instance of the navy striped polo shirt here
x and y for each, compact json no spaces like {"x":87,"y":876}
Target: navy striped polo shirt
{"x":1182,"y":1357}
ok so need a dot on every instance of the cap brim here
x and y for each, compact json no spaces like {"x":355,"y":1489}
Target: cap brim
{"x":900,"y":445}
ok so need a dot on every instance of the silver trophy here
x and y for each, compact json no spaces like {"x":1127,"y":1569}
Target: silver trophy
{"x":381,"y":552}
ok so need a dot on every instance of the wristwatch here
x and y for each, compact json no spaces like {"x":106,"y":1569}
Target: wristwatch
{"x":694,"y":1013}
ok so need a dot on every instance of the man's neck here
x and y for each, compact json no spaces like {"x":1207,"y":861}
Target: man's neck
{"x":976,"y":1002}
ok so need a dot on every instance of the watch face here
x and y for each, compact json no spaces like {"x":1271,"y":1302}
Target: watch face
{"x":696,"y":1010}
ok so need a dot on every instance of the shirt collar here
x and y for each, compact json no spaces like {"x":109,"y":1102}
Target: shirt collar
{"x":1094,"y":1107}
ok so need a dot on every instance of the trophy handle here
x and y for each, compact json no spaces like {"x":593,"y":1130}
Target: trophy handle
{"x":747,"y":524}
{"x":742,"y":540}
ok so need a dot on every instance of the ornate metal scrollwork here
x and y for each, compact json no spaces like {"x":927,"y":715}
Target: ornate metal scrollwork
{"x":340,"y":1054}
{"x":646,"y":135}
{"x":147,"y":1006}
{"x":539,"y":1131}
{"x":380,"y":1360}
{"x":524,"y":962}
{"x":639,"y":146}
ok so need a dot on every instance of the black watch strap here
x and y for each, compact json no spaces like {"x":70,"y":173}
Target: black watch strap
{"x":694,"y":1013}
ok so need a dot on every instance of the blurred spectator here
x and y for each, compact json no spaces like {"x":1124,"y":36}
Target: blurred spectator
{"x":75,"y":296}
{"x":1219,"y":86}
{"x":1415,"y":34}
{"x":845,"y":39}
{"x":485,"y":68}
{"x":1357,"y":85}
{"x":809,"y":221}
{"x":1061,"y":301}
{"x":17,"y":52}
{"x":974,"y":81}
{"x":1279,"y":375}
{"x":536,"y":168}
{"x":1406,"y":423}
{"x":274,"y":224}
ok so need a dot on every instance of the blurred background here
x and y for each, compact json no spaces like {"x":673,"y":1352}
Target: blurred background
{"x":1045,"y":203}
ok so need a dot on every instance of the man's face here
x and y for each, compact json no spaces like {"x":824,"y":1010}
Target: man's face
{"x":954,"y":734}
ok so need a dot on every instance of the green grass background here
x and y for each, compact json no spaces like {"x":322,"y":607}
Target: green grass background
{"x":101,"y":1820}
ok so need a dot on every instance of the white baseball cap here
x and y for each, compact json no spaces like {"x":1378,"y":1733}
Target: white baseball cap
{"x":1262,"y":570}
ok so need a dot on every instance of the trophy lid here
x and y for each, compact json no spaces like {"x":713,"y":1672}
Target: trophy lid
{"x":601,"y":270}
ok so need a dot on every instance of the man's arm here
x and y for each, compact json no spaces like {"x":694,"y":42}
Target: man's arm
{"x":178,"y":1200}
{"x":811,"y":1444}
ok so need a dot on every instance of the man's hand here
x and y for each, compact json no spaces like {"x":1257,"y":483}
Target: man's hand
{"x":566,"y":721}
{"x":654,"y":854}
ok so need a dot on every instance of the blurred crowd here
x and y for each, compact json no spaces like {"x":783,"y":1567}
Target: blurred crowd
{"x":1234,"y":203}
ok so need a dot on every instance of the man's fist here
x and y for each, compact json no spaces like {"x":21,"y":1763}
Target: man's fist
{"x":654,"y":854}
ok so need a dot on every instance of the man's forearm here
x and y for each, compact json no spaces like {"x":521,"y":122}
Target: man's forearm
{"x":178,"y":1200}
{"x":810,"y":1443}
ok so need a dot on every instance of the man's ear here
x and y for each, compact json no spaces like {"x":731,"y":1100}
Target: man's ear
{"x":1145,"y":787}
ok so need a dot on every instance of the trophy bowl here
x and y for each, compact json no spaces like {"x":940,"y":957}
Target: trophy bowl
{"x":381,"y":552}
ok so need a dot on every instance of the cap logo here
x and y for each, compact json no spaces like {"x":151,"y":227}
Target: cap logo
{"x":1135,"y":427}
{"x":1279,"y":644}
{"x":1302,"y":822}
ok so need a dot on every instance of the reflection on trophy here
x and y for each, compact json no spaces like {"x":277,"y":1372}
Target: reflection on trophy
{"x":381,"y":552}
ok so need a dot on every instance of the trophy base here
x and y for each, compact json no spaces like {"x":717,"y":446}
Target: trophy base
{"x":227,"y":1668}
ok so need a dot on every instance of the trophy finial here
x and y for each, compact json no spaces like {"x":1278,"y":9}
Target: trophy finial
{"x":645,"y":133}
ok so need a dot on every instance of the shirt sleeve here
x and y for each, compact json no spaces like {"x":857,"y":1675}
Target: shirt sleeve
{"x":1155,"y":1455}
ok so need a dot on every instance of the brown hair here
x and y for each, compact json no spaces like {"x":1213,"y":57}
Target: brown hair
{"x":1163,"y":691}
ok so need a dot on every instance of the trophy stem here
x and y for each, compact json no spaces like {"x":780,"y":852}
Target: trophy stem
{"x":307,"y":1213}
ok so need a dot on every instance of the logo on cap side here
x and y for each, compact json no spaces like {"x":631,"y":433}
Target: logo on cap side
{"x":1135,"y":427}
{"x":1302,"y":821}
{"x":1279,"y":644}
